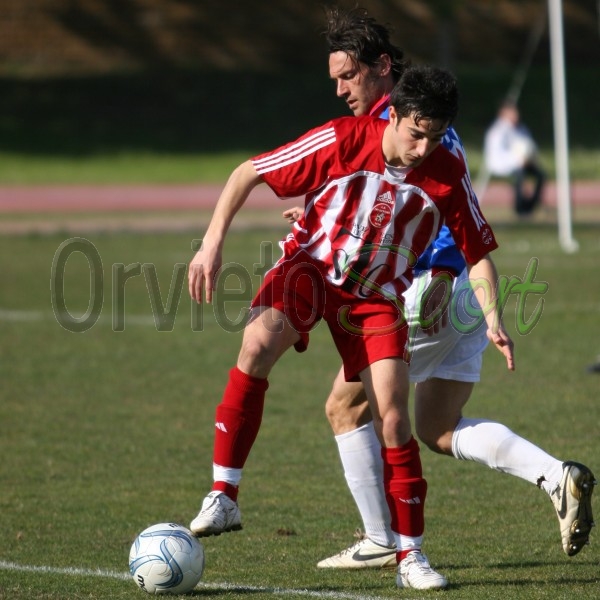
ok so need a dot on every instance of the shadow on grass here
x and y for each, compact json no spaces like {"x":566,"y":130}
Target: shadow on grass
{"x":535,"y":572}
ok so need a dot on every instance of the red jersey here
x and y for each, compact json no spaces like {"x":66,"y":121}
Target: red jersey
{"x":367,"y":222}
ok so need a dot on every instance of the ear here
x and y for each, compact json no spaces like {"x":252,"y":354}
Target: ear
{"x":393,"y":116}
{"x":385,"y":65}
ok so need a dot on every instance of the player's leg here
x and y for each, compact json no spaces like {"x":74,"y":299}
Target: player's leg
{"x":386,"y":386}
{"x":538,"y":179}
{"x":350,"y":418}
{"x":347,"y":407}
{"x":438,"y":410}
{"x":288,"y":304}
{"x":360,"y":452}
{"x":446,"y":371}
{"x":378,"y":359}
{"x":238,"y":417}
{"x":444,"y":430}
{"x":440,"y":425}
{"x":519,"y":189}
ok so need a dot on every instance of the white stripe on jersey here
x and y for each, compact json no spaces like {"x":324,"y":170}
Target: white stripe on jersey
{"x":354,"y":242}
{"x":472,"y":200}
{"x":350,"y":245}
{"x":295,"y":152}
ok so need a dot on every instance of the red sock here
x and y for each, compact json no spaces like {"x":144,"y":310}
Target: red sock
{"x":227,"y":488}
{"x":405,"y":488}
{"x":238,"y":419}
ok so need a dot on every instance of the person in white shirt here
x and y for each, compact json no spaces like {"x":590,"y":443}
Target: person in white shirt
{"x":510,"y":151}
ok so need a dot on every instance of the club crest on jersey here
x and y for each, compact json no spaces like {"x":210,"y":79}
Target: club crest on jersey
{"x":486,"y":236}
{"x":381,"y":215}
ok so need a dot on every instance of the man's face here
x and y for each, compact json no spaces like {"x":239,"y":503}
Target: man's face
{"x":409,"y":142}
{"x":359,"y":85}
{"x":510,"y":114}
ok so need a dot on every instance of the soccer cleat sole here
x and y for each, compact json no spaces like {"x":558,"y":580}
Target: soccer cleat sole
{"x":215,"y":533}
{"x":583,"y":524}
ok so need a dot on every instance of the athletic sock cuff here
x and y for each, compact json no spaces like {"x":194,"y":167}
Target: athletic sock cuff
{"x":247,"y":383}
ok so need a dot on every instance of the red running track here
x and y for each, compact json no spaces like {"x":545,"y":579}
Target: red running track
{"x":111,"y":198}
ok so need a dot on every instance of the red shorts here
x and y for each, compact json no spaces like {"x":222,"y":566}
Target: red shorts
{"x":364,"y":330}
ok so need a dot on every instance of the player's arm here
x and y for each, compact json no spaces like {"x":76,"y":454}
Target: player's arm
{"x":446,"y":257}
{"x":207,"y":261}
{"x":476,"y":240}
{"x":484,"y":278}
{"x":445,"y":260}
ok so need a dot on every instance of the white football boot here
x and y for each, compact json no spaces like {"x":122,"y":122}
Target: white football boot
{"x":219,"y":513}
{"x":416,"y":572}
{"x":572,"y":500}
{"x":365,"y":554}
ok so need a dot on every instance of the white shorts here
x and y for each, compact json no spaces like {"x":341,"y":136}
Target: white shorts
{"x":456,"y":351}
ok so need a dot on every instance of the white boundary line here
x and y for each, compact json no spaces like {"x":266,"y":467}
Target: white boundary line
{"x":28,"y":316}
{"x":231,"y":587}
{"x":10,"y":566}
{"x":31,"y":316}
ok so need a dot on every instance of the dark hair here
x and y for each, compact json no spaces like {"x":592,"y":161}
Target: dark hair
{"x":362,"y":38}
{"x":427,"y":93}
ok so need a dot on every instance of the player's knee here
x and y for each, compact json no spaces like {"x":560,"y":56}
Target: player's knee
{"x":335,"y":410}
{"x":344,"y":413}
{"x":439,"y":442}
{"x":255,"y":357}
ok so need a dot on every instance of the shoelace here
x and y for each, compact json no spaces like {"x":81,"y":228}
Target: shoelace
{"x":352,"y":548}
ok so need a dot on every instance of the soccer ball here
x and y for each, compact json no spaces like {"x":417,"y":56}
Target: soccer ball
{"x":166,"y":559}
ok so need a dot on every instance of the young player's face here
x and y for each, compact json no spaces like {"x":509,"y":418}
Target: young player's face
{"x":407,"y":143}
{"x":359,"y":85}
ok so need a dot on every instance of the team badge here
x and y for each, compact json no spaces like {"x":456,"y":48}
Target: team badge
{"x":381,"y":215}
{"x":486,"y":236}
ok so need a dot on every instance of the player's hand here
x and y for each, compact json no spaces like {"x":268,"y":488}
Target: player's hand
{"x":433,"y":313}
{"x":293,"y":214}
{"x":502,"y":341}
{"x":202,"y":272}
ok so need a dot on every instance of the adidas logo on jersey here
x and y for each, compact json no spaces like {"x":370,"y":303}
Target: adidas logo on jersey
{"x":385,"y":197}
{"x":221,"y":426}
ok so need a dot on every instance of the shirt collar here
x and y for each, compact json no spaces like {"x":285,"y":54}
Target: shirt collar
{"x":380,"y":106}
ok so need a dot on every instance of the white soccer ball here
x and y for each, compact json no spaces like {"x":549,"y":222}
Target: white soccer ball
{"x":166,"y":559}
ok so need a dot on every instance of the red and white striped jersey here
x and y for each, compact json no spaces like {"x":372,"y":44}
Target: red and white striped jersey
{"x":367,"y":222}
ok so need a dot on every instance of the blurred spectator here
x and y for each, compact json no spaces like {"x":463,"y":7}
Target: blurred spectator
{"x":595,"y":367}
{"x":510,"y":151}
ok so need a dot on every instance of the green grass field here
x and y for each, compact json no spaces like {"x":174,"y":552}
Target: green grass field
{"x":104,"y":432}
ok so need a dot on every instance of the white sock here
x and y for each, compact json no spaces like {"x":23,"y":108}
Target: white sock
{"x":360,"y":452}
{"x":227,"y":474}
{"x":404,"y":542}
{"x":496,"y":446}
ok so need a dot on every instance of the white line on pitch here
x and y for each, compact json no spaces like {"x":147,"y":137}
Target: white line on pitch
{"x":25,"y":316}
{"x":18,"y":316}
{"x":10,"y":566}
{"x":277,"y":591}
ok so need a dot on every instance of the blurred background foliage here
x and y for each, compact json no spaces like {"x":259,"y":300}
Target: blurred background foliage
{"x":85,"y":77}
